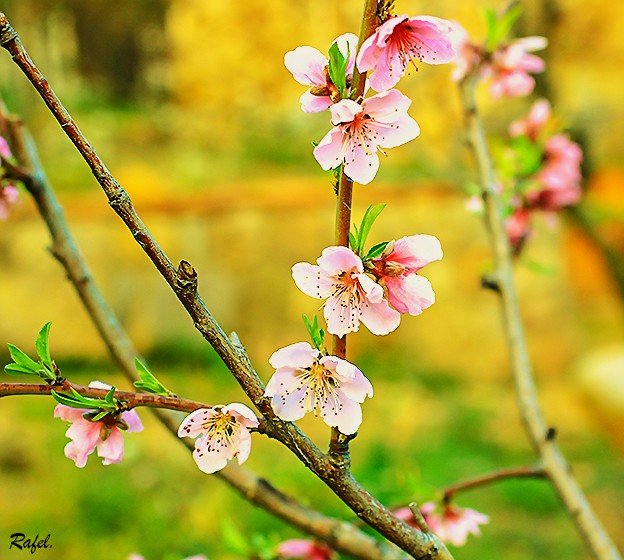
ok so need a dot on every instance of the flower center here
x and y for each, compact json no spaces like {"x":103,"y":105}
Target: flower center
{"x":220,"y":430}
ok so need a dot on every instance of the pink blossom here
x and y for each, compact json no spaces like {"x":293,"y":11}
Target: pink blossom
{"x":535,"y":121}
{"x":305,"y":381}
{"x":402,"y":40}
{"x":518,"y":227}
{"x":452,"y":525}
{"x":361,"y":130}
{"x":352,"y":296}
{"x":467,"y":55}
{"x":223,"y":434}
{"x":397,"y":269}
{"x":560,"y":177}
{"x":309,"y":68}
{"x":304,"y":549}
{"x":510,"y":67}
{"x":8,"y":197}
{"x":104,"y":434}
{"x":5,"y":151}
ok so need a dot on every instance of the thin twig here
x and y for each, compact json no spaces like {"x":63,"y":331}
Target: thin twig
{"x":530,"y":471}
{"x":539,"y":433}
{"x":342,"y":483}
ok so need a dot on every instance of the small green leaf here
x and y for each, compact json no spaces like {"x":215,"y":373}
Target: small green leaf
{"x":17,"y":369}
{"x":42,"y":347}
{"x":100,"y":415}
{"x":353,"y":242}
{"x":148,"y":381}
{"x":337,"y":68}
{"x":371,"y":214}
{"x":76,"y":400}
{"x":375,"y":251}
{"x":317,"y":335}
{"x":22,"y":359}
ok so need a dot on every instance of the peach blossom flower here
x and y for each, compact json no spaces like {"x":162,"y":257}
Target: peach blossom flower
{"x":534,"y":123}
{"x":305,"y":381}
{"x":223,"y":434}
{"x":402,"y":40}
{"x":104,"y":434}
{"x":304,"y":549}
{"x":352,"y":296}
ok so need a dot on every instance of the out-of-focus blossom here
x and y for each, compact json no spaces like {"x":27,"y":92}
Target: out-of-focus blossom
{"x":8,"y":197}
{"x":402,"y":40}
{"x":223,"y":434}
{"x":467,"y":55}
{"x":309,"y":67}
{"x":304,"y":549}
{"x":195,"y":557}
{"x":305,"y":381}
{"x":104,"y":434}
{"x":534,"y":123}
{"x":352,"y":296}
{"x":560,"y":176}
{"x":397,"y":270}
{"x":452,"y":525}
{"x":5,"y":151}
{"x":362,"y":130}
{"x":518,"y":227}
{"x":511,"y":65}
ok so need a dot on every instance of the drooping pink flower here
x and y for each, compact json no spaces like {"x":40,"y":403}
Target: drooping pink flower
{"x":352,"y":296}
{"x":8,"y":197}
{"x":402,"y":40}
{"x":560,"y":177}
{"x":533,"y":124}
{"x":511,"y":65}
{"x":305,"y":381}
{"x":361,"y":130}
{"x":452,"y":525}
{"x":223,"y":434}
{"x":309,"y":68}
{"x":518,"y":228}
{"x":397,"y":269}
{"x":104,"y":434}
{"x":304,"y":549}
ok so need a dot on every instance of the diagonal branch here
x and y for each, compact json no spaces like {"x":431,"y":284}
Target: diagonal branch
{"x":539,"y":433}
{"x":232,"y":353}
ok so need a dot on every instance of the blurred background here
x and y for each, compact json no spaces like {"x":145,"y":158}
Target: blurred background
{"x":190,"y":106}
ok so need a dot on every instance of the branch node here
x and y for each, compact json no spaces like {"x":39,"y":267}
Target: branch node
{"x":551,"y":434}
{"x":186,"y":277}
{"x":420,"y":519}
{"x":490,"y":282}
{"x":7,"y":33}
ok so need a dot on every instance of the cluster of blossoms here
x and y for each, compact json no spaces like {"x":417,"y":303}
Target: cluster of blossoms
{"x":508,"y":67}
{"x":541,"y":170}
{"x":364,"y":127}
{"x":452,"y":524}
{"x":105,"y":435}
{"x":8,"y":191}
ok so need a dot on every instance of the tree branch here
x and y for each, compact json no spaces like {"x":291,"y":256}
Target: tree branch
{"x":417,"y":544}
{"x":540,"y":435}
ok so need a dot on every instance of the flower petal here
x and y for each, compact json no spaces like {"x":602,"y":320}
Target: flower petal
{"x":347,"y":417}
{"x":132,"y":419}
{"x":380,"y":318}
{"x":193,"y":424}
{"x":334,"y":260}
{"x":410,"y":294}
{"x":295,"y":356}
{"x":416,"y":251}
{"x":210,"y":461}
{"x":312,"y":280}
{"x":112,"y":448}
{"x":311,"y":103}
{"x":243,"y":414}
{"x":307,"y":65}
{"x":331,"y":149}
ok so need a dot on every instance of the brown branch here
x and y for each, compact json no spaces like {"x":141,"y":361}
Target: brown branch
{"x":539,"y":433}
{"x":341,"y":482}
{"x":340,"y":535}
{"x":489,"y":478}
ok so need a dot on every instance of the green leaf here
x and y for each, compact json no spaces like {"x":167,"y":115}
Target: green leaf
{"x":499,"y":27}
{"x":148,"y":381}
{"x":17,"y":369}
{"x":376,"y":250}
{"x":234,"y":539}
{"x":23,"y":360}
{"x":371,"y":214}
{"x":317,"y":335}
{"x":353,"y":242}
{"x":337,"y":68}
{"x":42,"y":347}
{"x":76,"y":400}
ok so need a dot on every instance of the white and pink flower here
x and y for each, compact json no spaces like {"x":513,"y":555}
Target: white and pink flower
{"x":534,"y":123}
{"x":397,"y":270}
{"x":511,"y":65}
{"x":304,"y":549}
{"x":452,"y":525}
{"x":104,"y":434}
{"x":352,"y":296}
{"x":361,"y":130}
{"x":223,"y":435}
{"x":402,"y":40}
{"x":309,"y":67}
{"x":305,"y":381}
